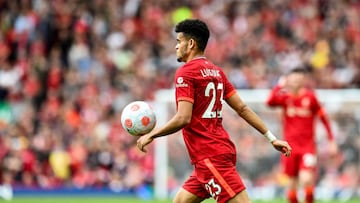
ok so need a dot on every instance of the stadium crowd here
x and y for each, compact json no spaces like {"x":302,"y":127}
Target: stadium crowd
{"x":68,"y":67}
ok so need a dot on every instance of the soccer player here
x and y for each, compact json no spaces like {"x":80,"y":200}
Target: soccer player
{"x":201,"y":89}
{"x":300,"y":108}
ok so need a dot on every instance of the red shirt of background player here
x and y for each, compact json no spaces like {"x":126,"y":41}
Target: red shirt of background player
{"x":299,"y":116}
{"x":204,"y":136}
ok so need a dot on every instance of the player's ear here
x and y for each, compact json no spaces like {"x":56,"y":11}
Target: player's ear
{"x":192,"y":43}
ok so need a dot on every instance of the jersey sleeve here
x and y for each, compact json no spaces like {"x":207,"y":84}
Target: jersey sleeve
{"x":229,"y":89}
{"x":184,"y":86}
{"x":316,"y":106}
{"x":277,"y":96}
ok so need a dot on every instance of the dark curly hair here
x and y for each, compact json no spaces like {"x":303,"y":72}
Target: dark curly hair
{"x":195,"y":29}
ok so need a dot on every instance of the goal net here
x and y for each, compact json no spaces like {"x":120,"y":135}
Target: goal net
{"x":257,"y":161}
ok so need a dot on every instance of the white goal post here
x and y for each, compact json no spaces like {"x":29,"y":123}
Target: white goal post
{"x":164,"y":106}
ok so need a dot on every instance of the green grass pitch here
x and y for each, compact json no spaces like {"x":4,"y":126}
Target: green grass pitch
{"x":127,"y":200}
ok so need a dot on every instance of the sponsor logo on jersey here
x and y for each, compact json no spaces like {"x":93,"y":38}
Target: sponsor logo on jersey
{"x":180,"y":82}
{"x":293,"y":111}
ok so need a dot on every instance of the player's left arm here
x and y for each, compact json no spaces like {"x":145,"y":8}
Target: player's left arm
{"x":244,"y":111}
{"x":177,"y":122}
{"x":325,"y":120}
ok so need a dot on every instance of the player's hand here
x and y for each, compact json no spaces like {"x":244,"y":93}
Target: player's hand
{"x":282,"y":146}
{"x":143,"y":141}
{"x":333,"y":148}
{"x":282,"y":81}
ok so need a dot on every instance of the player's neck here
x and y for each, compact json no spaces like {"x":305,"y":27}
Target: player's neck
{"x":298,"y":91}
{"x":196,"y":55}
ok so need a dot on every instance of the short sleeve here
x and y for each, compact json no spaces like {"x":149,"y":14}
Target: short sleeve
{"x":184,"y":86}
{"x":229,"y":89}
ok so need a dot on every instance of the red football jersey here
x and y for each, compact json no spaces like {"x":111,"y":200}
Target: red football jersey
{"x":205,"y":85}
{"x":299,"y":113}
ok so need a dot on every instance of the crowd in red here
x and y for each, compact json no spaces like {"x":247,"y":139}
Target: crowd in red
{"x":68,"y":67}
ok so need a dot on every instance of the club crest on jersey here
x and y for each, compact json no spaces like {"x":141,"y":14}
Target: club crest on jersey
{"x":305,"y":102}
{"x":180,"y":82}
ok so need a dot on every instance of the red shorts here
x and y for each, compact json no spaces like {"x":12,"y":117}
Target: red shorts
{"x":298,"y":161}
{"x":215,"y":177}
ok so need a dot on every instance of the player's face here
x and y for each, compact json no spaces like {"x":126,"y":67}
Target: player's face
{"x":181,"y":47}
{"x":295,"y":81}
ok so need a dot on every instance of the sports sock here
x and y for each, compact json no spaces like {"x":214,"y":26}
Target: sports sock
{"x":309,"y":194}
{"x":292,"y":196}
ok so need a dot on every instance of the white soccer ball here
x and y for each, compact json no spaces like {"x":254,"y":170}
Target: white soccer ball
{"x":138,"y":118}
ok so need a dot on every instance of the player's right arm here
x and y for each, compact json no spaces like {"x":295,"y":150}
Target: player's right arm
{"x":277,"y":95}
{"x":177,"y":122}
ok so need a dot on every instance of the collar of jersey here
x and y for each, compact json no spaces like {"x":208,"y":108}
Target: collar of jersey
{"x":197,"y":58}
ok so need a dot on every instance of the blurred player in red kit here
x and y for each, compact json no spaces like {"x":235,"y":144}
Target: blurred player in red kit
{"x":300,"y":110}
{"x":201,"y":88}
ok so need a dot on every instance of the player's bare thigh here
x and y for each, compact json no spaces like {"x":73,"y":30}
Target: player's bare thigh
{"x":183,"y":196}
{"x":241,"y":197}
{"x":307,"y":169}
{"x":306,"y":177}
